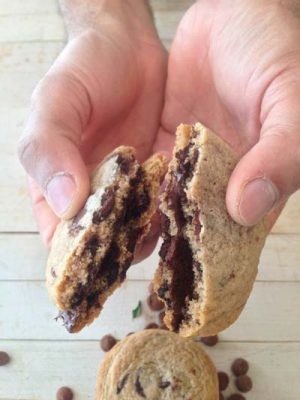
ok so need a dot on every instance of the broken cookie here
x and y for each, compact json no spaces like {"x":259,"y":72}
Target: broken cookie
{"x":92,"y":252}
{"x":208,"y":262}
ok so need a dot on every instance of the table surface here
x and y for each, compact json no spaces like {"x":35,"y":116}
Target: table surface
{"x":44,"y":356}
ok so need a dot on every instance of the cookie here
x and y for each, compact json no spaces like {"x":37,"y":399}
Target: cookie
{"x":157,"y":364}
{"x":91,"y":253}
{"x":208,"y":262}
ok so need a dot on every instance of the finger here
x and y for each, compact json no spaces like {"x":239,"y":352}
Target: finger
{"x":270,"y":172}
{"x":49,"y":147}
{"x":46,"y":219}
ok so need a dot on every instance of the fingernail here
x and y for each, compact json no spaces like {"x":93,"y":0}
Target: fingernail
{"x":60,"y":191}
{"x":258,"y":198}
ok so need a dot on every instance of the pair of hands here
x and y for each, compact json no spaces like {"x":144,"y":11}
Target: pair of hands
{"x":233,"y":65}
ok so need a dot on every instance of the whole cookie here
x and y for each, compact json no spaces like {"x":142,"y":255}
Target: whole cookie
{"x":208,"y":262}
{"x":157,"y":365}
{"x":92,"y":252}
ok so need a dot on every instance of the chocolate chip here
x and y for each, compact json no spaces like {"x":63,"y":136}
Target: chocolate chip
{"x":164,"y":384}
{"x":244,"y":383}
{"x":107,"y":342}
{"x":236,"y":396}
{"x":124,"y":163}
{"x":239,"y":367}
{"x":122,"y":383}
{"x":92,"y":245}
{"x":164,"y":327}
{"x":221,"y":397}
{"x":161,"y":317}
{"x":154,"y":303}
{"x":4,"y":358}
{"x":152,"y":325}
{"x":210,"y":340}
{"x":223,"y":380}
{"x":64,"y":393}
{"x":164,"y":223}
{"x":107,"y":205}
{"x":150,"y":288}
{"x":139,"y":388}
{"x":130,"y":333}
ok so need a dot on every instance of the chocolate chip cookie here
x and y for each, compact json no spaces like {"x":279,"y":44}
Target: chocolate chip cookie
{"x":157,"y":364}
{"x":208,"y":263}
{"x":91,"y":253}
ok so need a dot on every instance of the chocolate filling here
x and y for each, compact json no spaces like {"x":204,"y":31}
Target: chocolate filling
{"x":104,"y":274}
{"x":164,"y":384}
{"x":175,"y":251}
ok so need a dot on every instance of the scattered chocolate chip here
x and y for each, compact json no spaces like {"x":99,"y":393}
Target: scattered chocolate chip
{"x":244,"y":383}
{"x":239,"y":367}
{"x":164,"y":327}
{"x":164,"y":384}
{"x":210,"y":340}
{"x":107,"y":342}
{"x":64,"y":393}
{"x":152,"y":325}
{"x":221,"y":397}
{"x":161,"y":317}
{"x":154,"y":303}
{"x":4,"y":358}
{"x":223,"y":380}
{"x":236,"y":396}
{"x":122,"y":383}
{"x":150,"y":288}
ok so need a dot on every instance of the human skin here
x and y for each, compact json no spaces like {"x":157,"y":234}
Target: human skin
{"x":234,"y":65}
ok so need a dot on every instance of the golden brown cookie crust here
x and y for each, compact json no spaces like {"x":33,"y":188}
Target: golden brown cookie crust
{"x":157,"y":365}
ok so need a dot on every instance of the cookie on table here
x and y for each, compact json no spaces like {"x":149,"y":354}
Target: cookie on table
{"x":208,"y":262}
{"x":91,"y":253}
{"x":157,"y":364}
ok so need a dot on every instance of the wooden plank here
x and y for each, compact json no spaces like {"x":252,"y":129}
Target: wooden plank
{"x":35,"y":57}
{"x":272,"y":313}
{"x":289,"y":221}
{"x":50,"y":27}
{"x":40,"y":368}
{"x":42,"y":27}
{"x":16,"y":7}
{"x":279,"y":262}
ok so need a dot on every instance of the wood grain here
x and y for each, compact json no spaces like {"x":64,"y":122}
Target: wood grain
{"x":38,"y":369}
{"x":271,"y":314}
{"x":279,"y":262}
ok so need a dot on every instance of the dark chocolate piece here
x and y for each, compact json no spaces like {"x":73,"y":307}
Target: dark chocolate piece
{"x":122,"y":383}
{"x":138,"y":387}
{"x":154,"y":303}
{"x":151,"y":325}
{"x":64,"y":393}
{"x":244,"y":383}
{"x":236,"y":396}
{"x":210,"y":340}
{"x":4,"y":358}
{"x":164,"y":384}
{"x":223,"y":379}
{"x":107,"y":342}
{"x":239,"y":367}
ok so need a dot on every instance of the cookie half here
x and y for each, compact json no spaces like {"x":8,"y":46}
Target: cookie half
{"x":157,"y":364}
{"x":208,"y":262}
{"x":91,"y":253}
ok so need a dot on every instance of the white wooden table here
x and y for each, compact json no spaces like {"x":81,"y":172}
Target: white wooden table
{"x":44,"y":356}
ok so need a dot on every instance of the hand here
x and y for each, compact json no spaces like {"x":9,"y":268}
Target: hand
{"x":235,"y":66}
{"x":105,"y":89}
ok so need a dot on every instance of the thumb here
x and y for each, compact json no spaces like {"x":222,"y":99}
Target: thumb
{"x":270,"y":172}
{"x":49,"y":146}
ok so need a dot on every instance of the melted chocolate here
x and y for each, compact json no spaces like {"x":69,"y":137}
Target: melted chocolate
{"x":107,"y":205}
{"x":137,"y":201}
{"x":164,"y":384}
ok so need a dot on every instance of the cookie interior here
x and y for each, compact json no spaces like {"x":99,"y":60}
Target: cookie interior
{"x":180,"y":272}
{"x":99,"y":265}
